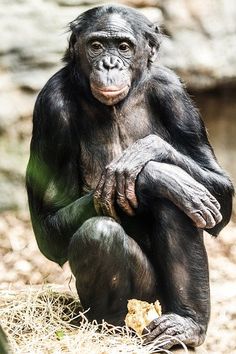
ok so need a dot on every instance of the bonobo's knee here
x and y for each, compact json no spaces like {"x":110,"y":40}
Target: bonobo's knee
{"x":96,"y":230}
{"x":95,"y":237}
{"x":110,"y":268}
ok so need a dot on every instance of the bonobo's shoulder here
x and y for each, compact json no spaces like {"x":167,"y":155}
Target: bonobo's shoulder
{"x":55,"y":87}
{"x":55,"y":99}
{"x":53,"y":106}
{"x":165,"y":77}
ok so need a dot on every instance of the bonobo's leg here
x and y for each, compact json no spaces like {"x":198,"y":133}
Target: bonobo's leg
{"x":109,"y":268}
{"x":180,"y":261}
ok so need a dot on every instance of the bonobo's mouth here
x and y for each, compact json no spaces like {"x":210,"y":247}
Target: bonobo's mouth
{"x":110,"y":91}
{"x":110,"y":95}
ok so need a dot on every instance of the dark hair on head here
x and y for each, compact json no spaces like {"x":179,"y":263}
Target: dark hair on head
{"x":138,"y":22}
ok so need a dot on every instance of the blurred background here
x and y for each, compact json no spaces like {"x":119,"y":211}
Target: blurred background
{"x":199,"y":44}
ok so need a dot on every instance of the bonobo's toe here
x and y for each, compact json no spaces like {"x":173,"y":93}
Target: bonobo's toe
{"x":177,"y":328}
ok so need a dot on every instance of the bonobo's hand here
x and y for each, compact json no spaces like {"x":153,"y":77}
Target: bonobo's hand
{"x":118,"y":179}
{"x":171,"y":182}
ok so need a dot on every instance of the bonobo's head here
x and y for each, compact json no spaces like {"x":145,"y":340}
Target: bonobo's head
{"x":111,"y":47}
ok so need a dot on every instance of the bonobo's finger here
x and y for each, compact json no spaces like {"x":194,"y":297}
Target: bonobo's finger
{"x":214,"y":201}
{"x":197,"y":218}
{"x":213,"y":210}
{"x":207,"y":216}
{"x":96,"y":203}
{"x":109,"y":210}
{"x":99,"y":187}
{"x":107,"y":192}
{"x":122,"y":201}
{"x":216,"y":215}
{"x":108,"y":195}
{"x":97,"y":195}
{"x":156,"y":328}
{"x":210,"y":221}
{"x":151,"y":326}
{"x":130,"y":191}
{"x":218,"y":218}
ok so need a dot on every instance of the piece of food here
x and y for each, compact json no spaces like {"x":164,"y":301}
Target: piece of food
{"x":141,"y":313}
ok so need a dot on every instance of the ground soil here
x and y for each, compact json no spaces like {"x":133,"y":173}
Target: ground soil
{"x":21,"y":263}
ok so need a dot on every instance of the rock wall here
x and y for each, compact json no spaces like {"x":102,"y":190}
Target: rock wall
{"x":199,"y":44}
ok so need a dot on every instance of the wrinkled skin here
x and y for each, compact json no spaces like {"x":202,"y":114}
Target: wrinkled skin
{"x":122,"y":179}
{"x":181,"y":329}
{"x":118,"y":180}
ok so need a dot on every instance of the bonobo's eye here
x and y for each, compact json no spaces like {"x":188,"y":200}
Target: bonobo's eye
{"x":96,"y":47}
{"x":125,"y":49}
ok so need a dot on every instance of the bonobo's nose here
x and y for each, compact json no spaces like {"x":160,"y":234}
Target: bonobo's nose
{"x":111,"y":62}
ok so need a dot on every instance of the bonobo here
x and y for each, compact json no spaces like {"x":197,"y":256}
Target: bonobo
{"x":122,"y":180}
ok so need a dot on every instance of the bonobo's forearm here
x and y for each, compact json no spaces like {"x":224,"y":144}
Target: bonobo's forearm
{"x":161,"y":180}
{"x":212,"y":177}
{"x":209,"y":173}
{"x":68,"y":219}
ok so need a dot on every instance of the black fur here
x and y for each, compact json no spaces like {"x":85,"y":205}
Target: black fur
{"x":151,"y":138}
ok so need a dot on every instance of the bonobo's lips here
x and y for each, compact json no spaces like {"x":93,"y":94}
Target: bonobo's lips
{"x":110,"y":91}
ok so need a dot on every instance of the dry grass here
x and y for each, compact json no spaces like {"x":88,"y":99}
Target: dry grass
{"x":22,"y":264}
{"x":43,"y":320}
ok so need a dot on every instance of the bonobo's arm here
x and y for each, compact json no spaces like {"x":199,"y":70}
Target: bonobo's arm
{"x":161,"y":180}
{"x":52,"y":176}
{"x":189,"y":149}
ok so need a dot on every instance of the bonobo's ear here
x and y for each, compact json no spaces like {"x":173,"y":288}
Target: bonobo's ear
{"x":154,"y":42}
{"x":152,"y":54}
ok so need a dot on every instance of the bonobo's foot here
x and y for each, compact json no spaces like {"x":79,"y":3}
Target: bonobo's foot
{"x":182,"y":329}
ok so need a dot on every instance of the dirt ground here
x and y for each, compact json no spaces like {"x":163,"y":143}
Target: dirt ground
{"x":21,"y":263}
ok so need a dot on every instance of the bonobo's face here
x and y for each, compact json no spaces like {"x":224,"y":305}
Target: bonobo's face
{"x":110,"y":51}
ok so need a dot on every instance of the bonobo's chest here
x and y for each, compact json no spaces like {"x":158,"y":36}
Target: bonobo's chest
{"x":109,"y":137}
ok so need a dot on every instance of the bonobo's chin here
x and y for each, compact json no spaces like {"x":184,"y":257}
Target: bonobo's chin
{"x":109,"y":95}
